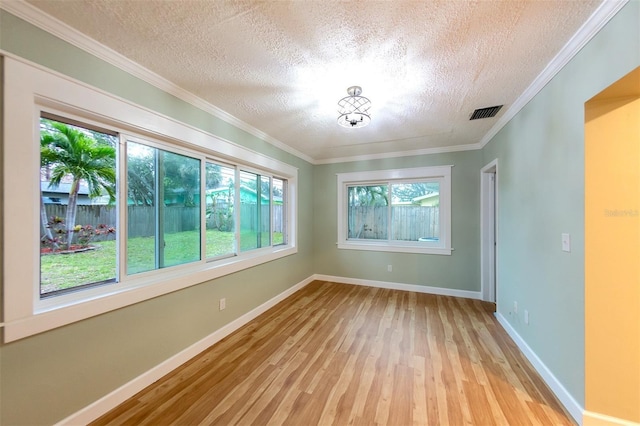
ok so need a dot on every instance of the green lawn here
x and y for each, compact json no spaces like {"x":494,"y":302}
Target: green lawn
{"x":62,"y":271}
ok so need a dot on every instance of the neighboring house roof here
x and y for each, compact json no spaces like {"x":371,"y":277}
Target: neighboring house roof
{"x":425,"y":197}
{"x":60,"y":194}
{"x":63,"y":188}
{"x":417,"y":200}
{"x":246,"y":194}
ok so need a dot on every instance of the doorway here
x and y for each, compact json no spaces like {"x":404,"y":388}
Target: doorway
{"x":489,"y":230}
{"x":611,"y":253}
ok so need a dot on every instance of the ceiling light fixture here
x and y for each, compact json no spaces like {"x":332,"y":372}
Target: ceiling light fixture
{"x":354,"y":109}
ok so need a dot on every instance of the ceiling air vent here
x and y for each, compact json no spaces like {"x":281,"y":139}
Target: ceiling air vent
{"x":485,"y":112}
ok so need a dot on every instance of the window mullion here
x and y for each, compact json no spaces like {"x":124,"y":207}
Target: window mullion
{"x":272,"y":225}
{"x":259,"y":211}
{"x":236,"y":211}
{"x":159,"y":202}
{"x":389,"y":212}
{"x":203,"y":209}
{"x":269,"y":206}
{"x":122,"y":213}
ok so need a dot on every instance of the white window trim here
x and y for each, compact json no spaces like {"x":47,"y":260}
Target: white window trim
{"x":28,"y":89}
{"x":441,"y":173}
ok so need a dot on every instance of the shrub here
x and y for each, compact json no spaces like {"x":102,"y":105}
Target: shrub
{"x":84,"y":234}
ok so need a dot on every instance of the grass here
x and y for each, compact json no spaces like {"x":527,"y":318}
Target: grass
{"x":61,"y":271}
{"x":64,"y":271}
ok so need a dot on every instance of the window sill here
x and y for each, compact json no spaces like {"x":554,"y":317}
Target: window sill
{"x":394,"y":248}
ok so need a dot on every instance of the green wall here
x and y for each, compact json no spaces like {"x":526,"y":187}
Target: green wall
{"x":47,"y":377}
{"x":540,"y":156}
{"x":460,"y":271}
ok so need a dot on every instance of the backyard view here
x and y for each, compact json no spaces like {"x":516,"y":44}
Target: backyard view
{"x":79,"y":208}
{"x":398,"y":211}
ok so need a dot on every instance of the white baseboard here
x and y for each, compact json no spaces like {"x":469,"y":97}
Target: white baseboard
{"x":404,"y":287}
{"x":597,"y":419}
{"x":126,"y":391}
{"x":571,"y":405}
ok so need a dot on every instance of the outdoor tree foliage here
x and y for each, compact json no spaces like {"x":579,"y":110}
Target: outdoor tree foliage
{"x":369,"y":195}
{"x":179,"y":174}
{"x":182,"y":174}
{"x":141,"y":178}
{"x":378,"y":195}
{"x":409,"y":191}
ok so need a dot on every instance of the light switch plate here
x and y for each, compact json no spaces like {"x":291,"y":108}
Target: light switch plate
{"x":566,"y":242}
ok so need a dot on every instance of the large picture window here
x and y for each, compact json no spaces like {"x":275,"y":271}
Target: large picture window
{"x":404,"y":210}
{"x":112,"y":204}
{"x":79,"y":208}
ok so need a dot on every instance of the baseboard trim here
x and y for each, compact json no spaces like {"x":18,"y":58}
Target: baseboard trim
{"x":570,"y":404}
{"x":400,"y":286}
{"x":596,"y":419}
{"x":126,"y":391}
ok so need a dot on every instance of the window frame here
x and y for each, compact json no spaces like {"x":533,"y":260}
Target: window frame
{"x":50,"y":114}
{"x":442,"y":174}
{"x":30,"y":90}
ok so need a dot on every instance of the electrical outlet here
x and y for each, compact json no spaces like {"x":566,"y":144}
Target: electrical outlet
{"x":389,"y":268}
{"x":515,"y":307}
{"x":566,"y":242}
{"x":526,"y":317}
{"x":223,"y":304}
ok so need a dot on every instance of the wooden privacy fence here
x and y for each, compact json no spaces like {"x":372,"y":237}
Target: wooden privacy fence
{"x":409,"y":222}
{"x":141,"y":219}
{"x":249,"y":217}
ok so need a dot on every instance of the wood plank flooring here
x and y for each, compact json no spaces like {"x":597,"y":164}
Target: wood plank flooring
{"x":336,"y":354}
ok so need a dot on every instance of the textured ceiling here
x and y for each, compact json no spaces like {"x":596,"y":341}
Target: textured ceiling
{"x":281,"y":66}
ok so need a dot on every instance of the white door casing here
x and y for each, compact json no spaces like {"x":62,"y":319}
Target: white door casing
{"x":489,"y":230}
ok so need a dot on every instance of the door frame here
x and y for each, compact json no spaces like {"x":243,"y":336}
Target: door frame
{"x":489,"y":232}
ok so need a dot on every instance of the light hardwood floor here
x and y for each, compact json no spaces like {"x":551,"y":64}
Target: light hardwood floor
{"x":336,"y":354}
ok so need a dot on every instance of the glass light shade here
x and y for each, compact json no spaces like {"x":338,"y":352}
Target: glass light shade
{"x":354,"y":109}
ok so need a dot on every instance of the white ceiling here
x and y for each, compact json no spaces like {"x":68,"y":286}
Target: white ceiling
{"x":281,"y":66}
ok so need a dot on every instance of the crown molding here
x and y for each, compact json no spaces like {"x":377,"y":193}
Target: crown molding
{"x":597,"y":20}
{"x":54,"y":26}
{"x":416,"y":152}
{"x":29,"y":13}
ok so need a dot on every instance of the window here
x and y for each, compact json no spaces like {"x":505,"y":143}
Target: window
{"x":278,"y":212}
{"x":220,"y":211}
{"x":163,"y":214}
{"x":404,"y":210}
{"x":76,"y":250}
{"x":255,"y":211}
{"x":132,"y":205}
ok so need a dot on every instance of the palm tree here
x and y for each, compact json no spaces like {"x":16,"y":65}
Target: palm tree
{"x":43,"y":212}
{"x":72,"y":152}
